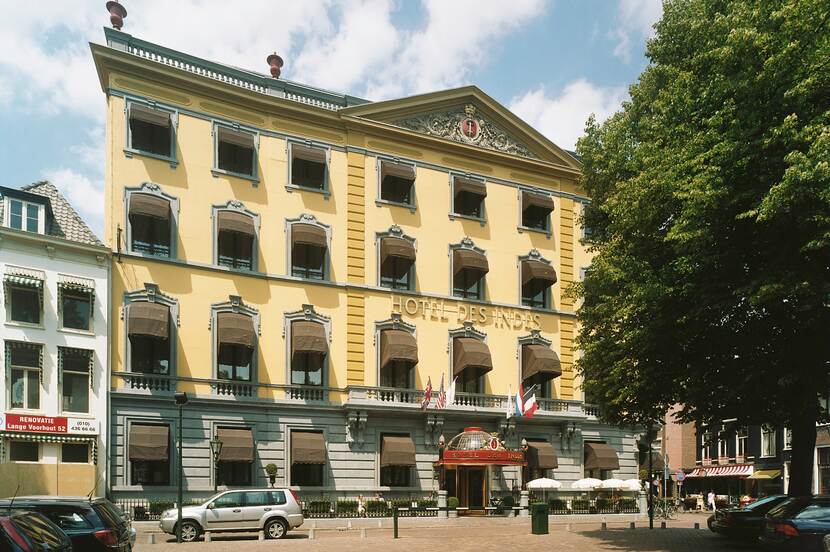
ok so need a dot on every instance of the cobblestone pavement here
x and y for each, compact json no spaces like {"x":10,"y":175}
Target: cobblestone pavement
{"x":678,"y":537}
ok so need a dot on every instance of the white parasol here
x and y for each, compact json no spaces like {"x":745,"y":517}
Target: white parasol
{"x":543,"y":483}
{"x":612,"y":484}
{"x":633,"y":485}
{"x":587,"y":484}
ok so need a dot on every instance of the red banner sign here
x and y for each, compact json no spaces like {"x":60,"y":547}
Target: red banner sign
{"x":33,"y":423}
{"x":485,"y":456}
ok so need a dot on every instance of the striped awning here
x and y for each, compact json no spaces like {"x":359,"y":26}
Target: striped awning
{"x":24,"y":277}
{"x":733,"y":470}
{"x":91,"y":440}
{"x":76,"y":282}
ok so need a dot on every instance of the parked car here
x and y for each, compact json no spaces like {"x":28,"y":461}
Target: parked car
{"x":798,"y":524}
{"x":25,"y":531}
{"x":275,"y":511}
{"x":93,"y":524}
{"x":746,"y":522}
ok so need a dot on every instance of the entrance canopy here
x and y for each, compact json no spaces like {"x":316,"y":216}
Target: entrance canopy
{"x":474,"y":446}
{"x":735,"y":470}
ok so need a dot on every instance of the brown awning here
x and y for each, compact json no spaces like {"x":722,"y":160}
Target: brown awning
{"x":537,"y":270}
{"x":476,"y":187}
{"x":300,"y":151}
{"x":540,"y":360}
{"x":401,"y":170}
{"x":308,"y":337}
{"x":468,"y":258}
{"x":237,"y":444}
{"x":234,"y":221}
{"x":151,"y":319}
{"x":149,"y":115}
{"x":236,"y":329}
{"x":530,"y":199}
{"x":307,"y":448}
{"x":238,"y":137}
{"x":601,"y":456}
{"x":396,"y":247}
{"x":149,"y":206}
{"x":397,"y":451}
{"x":469,"y":352}
{"x":149,"y":442}
{"x":397,"y":345}
{"x":541,"y":455}
{"x":823,"y":436}
{"x":308,"y":234}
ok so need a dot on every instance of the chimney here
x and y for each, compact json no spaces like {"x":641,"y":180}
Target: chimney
{"x":275,"y":62}
{"x":117,"y":14}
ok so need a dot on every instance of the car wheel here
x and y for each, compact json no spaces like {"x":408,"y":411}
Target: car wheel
{"x":276,"y":529}
{"x":190,"y":531}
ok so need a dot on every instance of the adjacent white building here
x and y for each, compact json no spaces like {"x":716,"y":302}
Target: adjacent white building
{"x":54,"y":393}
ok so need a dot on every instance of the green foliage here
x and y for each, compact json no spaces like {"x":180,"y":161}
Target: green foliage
{"x":558,"y":506}
{"x":452,"y":502}
{"x":316,"y":508}
{"x":711,"y":225}
{"x":582,"y":506}
{"x":271,"y":469}
{"x":376,"y":508}
{"x":346,"y":507}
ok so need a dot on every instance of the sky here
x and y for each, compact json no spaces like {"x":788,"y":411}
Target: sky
{"x":552,"y":62}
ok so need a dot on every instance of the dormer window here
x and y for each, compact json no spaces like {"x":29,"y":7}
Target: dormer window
{"x":25,"y":216}
{"x":536,"y":210}
{"x":468,"y":197}
{"x":308,"y":167}
{"x":397,"y":183}
{"x":235,"y":151}
{"x":150,"y":130}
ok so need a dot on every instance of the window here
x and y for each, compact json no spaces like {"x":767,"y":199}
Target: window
{"x":536,"y":293}
{"x":536,"y":210}
{"x":468,"y":284}
{"x":470,"y":381}
{"x":234,"y":362}
{"x":768,"y":446}
{"x":24,"y":451}
{"x":66,"y":518}
{"x":397,"y":183}
{"x":236,"y":339}
{"x":24,"y":363}
{"x":310,"y":475}
{"x":397,"y":374}
{"x":723,"y":452}
{"x":308,"y":167}
{"x":309,"y":251}
{"x":823,"y":470}
{"x":705,"y":447}
{"x":788,"y":438}
{"x":469,"y":268}
{"x":468,"y":197}
{"x":76,"y":308}
{"x":396,"y":259}
{"x":308,"y":458}
{"x":150,"y":130}
{"x":235,"y":239}
{"x":235,"y":473}
{"x":24,"y":302}
{"x":542,"y":383}
{"x":149,"y":454}
{"x":24,"y":216}
{"x":741,"y":438}
{"x":230,"y":500}
{"x":395,"y":273}
{"x":235,"y":151}
{"x":307,"y":368}
{"x":150,"y":226}
{"x":395,"y":476}
{"x":149,"y":355}
{"x":75,"y":377}
{"x":77,"y":453}
{"x":257,"y":498}
{"x":145,"y":472}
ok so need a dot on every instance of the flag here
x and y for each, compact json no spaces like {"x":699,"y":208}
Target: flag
{"x":442,"y":396}
{"x":520,"y":402}
{"x":509,"y":410}
{"x":530,"y":405}
{"x":427,"y":394}
{"x":451,"y":393}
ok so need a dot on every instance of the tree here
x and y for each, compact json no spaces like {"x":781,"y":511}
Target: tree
{"x":711,"y":225}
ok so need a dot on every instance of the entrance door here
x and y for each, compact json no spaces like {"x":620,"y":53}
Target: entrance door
{"x":475,"y":488}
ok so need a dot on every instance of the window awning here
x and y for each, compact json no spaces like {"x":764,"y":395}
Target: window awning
{"x":91,"y":440}
{"x":539,"y":271}
{"x":300,"y":151}
{"x":823,"y":436}
{"x":149,"y":115}
{"x":24,"y":353}
{"x":308,"y":337}
{"x":307,"y":448}
{"x":601,"y":456}
{"x":150,"y":319}
{"x":401,"y":170}
{"x":234,"y":221}
{"x":733,"y":470}
{"x":471,"y":353}
{"x":469,"y":259}
{"x":308,"y":234}
{"x":398,"y":248}
{"x":26,"y":277}
{"x":397,"y":345}
{"x":476,"y":187}
{"x":149,"y":206}
{"x":397,"y":451}
{"x":236,"y":329}
{"x":541,"y":455}
{"x":149,"y":442}
{"x":237,"y":137}
{"x":530,"y":199}
{"x":76,"y":283}
{"x":540,"y":360}
{"x":237,"y":444}
{"x":765,"y":474}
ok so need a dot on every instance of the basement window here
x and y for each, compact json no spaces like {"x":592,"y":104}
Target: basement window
{"x":397,"y":183}
{"x":150,"y":130}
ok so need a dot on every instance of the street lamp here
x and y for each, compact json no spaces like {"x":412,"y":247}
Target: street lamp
{"x":181,"y":400}
{"x":215,"y":450}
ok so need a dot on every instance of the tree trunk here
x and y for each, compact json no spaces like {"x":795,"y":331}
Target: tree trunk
{"x":802,"y":455}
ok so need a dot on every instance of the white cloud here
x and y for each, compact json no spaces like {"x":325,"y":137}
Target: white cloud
{"x":635,"y":21}
{"x":562,"y":117}
{"x":84,"y":194}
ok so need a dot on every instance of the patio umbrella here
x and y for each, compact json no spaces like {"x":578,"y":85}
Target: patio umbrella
{"x":633,"y":485}
{"x":544,"y":484}
{"x":587,"y":484}
{"x":612,"y":484}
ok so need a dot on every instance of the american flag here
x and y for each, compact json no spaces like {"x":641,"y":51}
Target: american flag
{"x":442,"y":396}
{"x":427,"y":394}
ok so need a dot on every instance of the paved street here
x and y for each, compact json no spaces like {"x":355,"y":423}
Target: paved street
{"x":479,"y":537}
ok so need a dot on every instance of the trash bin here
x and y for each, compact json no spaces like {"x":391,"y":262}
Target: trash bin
{"x":539,"y":518}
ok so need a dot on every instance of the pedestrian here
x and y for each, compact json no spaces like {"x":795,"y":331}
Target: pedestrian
{"x":361,"y":506}
{"x":710,"y":500}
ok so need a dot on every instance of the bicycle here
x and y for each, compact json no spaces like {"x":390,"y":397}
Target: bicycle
{"x":665,"y":508}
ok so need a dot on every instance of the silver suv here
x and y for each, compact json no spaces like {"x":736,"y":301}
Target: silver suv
{"x":275,"y":511}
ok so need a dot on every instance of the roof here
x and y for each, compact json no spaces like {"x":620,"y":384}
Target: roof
{"x":65,"y":222}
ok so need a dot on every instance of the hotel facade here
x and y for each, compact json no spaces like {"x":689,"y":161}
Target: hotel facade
{"x":303,"y":263}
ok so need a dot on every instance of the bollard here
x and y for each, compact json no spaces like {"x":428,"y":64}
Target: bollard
{"x":363,"y":533}
{"x":395,"y":523}
{"x":604,"y":526}
{"x":349,"y":525}
{"x":662,"y":525}
{"x":260,"y":536}
{"x":568,"y":527}
{"x":151,"y":538}
{"x":380,"y":524}
{"x":697,"y":526}
{"x":632,"y":525}
{"x":311,"y":533}
{"x":207,"y":536}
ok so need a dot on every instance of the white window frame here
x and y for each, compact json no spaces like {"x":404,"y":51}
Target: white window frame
{"x":91,"y":295}
{"x":705,"y":447}
{"x":62,"y":372}
{"x":788,"y":438}
{"x":7,"y":210}
{"x":26,"y":370}
{"x":741,"y":441}
{"x":768,"y":436}
{"x":88,"y":453}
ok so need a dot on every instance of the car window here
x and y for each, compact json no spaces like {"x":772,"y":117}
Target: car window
{"x":112,"y":516}
{"x":277,"y":497}
{"x":256,"y":498}
{"x":764,"y":503}
{"x":820,"y":510}
{"x":66,"y":518}
{"x":42,"y":534}
{"x":230,"y":500}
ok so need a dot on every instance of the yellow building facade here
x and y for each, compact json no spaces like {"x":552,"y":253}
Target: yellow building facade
{"x":316,"y":226}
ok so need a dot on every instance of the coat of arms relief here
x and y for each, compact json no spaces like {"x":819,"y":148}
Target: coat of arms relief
{"x":465,"y":125}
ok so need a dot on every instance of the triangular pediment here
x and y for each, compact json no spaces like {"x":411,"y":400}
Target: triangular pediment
{"x":467,"y":116}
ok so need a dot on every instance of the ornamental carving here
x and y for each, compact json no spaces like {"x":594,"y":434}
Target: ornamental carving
{"x":466,"y":126}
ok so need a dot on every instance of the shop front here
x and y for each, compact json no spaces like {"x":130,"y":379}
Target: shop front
{"x":726,"y":481}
